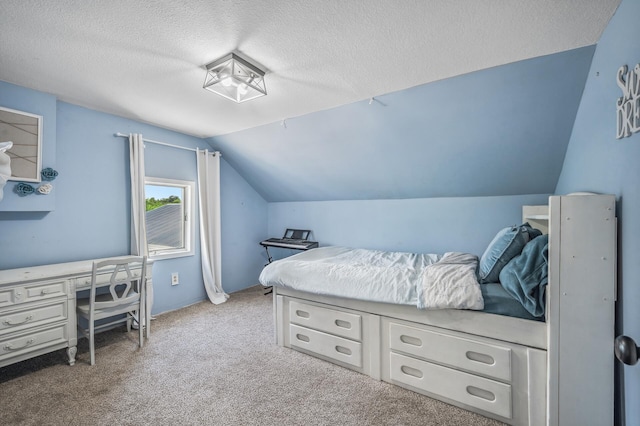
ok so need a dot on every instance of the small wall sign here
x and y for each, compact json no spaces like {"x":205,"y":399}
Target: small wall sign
{"x":628,"y":105}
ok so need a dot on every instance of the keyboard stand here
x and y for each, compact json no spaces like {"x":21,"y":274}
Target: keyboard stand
{"x":286,"y":243}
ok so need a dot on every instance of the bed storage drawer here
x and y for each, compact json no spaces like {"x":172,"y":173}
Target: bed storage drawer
{"x":489,"y":360}
{"x":484,"y":394}
{"x":332,"y":321}
{"x":334,"y":347}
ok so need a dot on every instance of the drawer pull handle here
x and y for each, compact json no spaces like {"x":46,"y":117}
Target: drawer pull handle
{"x":302,"y":314}
{"x":343,"y":350}
{"x":10,"y":348}
{"x":9,"y":323}
{"x":482,"y":358}
{"x":302,"y":338}
{"x":343,"y":324}
{"x":481,"y":393}
{"x":410,"y":371}
{"x":410,"y":340}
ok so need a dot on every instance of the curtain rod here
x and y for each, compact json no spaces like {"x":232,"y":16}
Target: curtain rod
{"x":122,"y":135}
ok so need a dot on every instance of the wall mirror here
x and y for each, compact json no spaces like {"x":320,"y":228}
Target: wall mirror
{"x":25,"y":131}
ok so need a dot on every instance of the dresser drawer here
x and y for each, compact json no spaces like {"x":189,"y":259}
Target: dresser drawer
{"x":337,"y":348}
{"x":46,"y":290}
{"x":489,"y":360}
{"x":485,"y":394}
{"x":32,"y":315}
{"x":33,"y":292}
{"x":32,"y":340}
{"x":332,"y":321}
{"x":6,"y":297}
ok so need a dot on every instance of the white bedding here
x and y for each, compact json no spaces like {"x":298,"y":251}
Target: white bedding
{"x":451,"y":283}
{"x":378,"y":276}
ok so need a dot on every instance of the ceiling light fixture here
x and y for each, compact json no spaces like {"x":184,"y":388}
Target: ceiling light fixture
{"x":235,"y":78}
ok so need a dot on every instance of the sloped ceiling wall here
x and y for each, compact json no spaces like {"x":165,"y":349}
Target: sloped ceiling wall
{"x":499,"y":131}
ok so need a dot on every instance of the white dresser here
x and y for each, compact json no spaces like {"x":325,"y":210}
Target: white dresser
{"x":38,"y":308}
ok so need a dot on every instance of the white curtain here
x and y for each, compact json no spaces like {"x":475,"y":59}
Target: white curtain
{"x":138,"y":204}
{"x":210,"y":241}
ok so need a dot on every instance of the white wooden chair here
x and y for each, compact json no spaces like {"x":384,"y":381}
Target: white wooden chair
{"x":126,"y":296}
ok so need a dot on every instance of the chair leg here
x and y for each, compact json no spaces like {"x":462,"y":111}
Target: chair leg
{"x":141,"y":327}
{"x":146,"y":310}
{"x":92,"y":349}
{"x":140,"y":333}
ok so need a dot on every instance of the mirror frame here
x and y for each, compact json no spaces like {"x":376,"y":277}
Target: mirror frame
{"x":18,"y":127}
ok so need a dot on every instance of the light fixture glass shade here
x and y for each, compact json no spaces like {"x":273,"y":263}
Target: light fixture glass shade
{"x":235,"y":79}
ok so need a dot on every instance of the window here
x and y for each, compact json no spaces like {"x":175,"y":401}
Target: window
{"x":170,"y":229}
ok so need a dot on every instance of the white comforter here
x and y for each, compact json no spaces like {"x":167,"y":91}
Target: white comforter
{"x":428,"y":281}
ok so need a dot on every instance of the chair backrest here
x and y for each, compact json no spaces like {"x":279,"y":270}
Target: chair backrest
{"x":125,"y":283}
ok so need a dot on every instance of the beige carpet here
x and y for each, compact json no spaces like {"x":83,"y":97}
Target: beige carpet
{"x":208,"y":365}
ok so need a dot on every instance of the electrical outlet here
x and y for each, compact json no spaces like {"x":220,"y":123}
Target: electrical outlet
{"x":174,"y":279}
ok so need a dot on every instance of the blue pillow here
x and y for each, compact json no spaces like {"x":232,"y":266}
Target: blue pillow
{"x":533,"y":232}
{"x":507,"y":244}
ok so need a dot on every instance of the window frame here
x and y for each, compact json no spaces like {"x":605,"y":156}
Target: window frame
{"x":189,"y":229}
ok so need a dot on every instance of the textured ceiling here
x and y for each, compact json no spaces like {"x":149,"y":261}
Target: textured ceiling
{"x":145,"y":59}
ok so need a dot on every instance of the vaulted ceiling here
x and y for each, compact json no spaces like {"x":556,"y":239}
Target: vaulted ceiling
{"x":366,"y":99}
{"x":500,"y":131}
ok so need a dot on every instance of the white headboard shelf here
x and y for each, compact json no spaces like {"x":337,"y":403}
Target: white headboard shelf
{"x":537,"y":216}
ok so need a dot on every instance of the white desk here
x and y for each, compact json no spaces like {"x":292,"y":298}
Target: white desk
{"x":38,"y":308}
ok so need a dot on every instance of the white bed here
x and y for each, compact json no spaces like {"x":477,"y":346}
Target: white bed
{"x":523,"y":372}
{"x":428,"y":281}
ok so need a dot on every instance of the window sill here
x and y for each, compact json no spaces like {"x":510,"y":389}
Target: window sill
{"x":170,"y":255}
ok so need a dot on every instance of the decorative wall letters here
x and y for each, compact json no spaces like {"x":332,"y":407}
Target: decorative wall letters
{"x":628,"y":105}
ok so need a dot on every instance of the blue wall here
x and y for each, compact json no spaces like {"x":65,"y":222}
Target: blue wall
{"x":498,"y":131}
{"x":244,"y":224}
{"x":596,"y":161}
{"x":433,"y":225}
{"x":92,"y":211}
